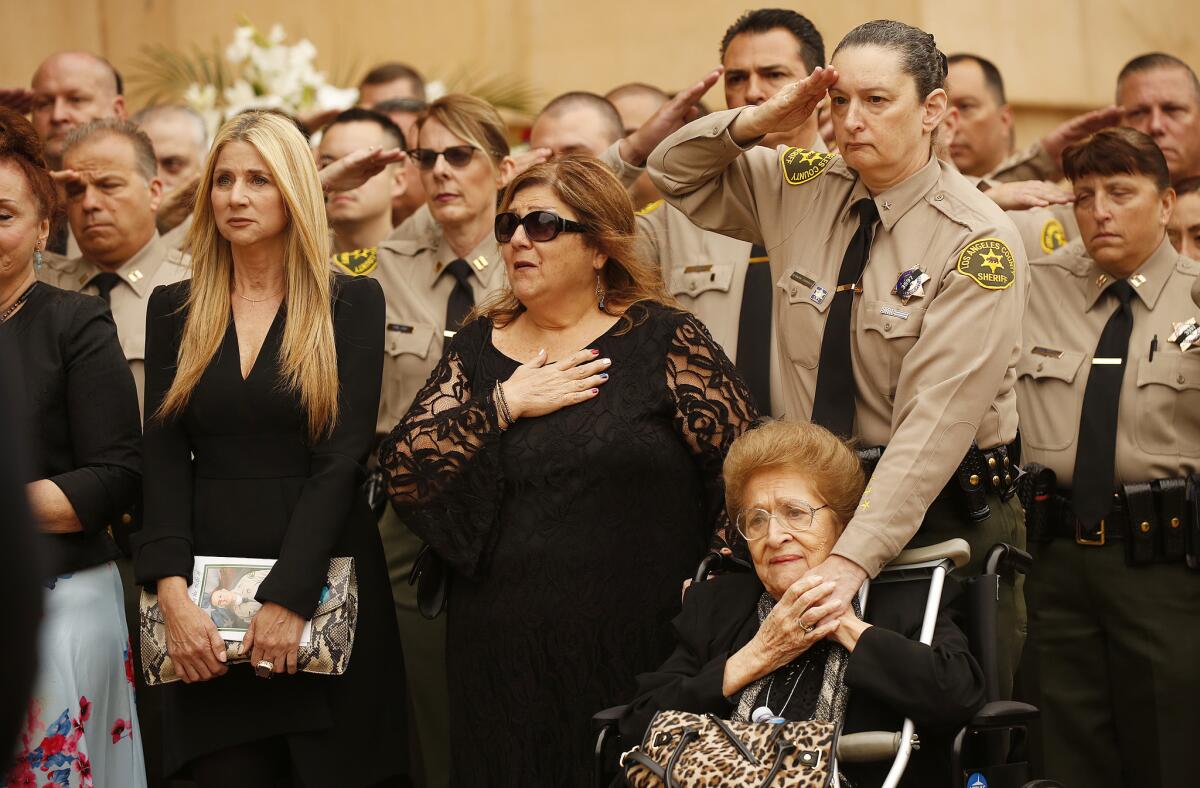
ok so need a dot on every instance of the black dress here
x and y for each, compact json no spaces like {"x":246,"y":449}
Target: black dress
{"x":235,"y":476}
{"x":569,"y":534}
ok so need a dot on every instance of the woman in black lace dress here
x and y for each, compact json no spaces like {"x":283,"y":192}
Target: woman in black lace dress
{"x":565,"y":459}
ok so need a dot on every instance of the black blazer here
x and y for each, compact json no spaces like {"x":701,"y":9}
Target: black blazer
{"x":890,"y":674}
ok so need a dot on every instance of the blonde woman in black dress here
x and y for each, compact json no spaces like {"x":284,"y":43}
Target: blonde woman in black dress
{"x":262,"y":386}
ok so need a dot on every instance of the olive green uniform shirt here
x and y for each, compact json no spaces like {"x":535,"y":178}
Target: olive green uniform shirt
{"x":932,"y":375}
{"x":1158,"y":425}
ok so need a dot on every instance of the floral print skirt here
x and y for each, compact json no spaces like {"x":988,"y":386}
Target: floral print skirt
{"x":82,"y":729}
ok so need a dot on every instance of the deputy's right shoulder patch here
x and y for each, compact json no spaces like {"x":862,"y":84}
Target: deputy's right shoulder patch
{"x":801,"y":165}
{"x":1054,"y":235}
{"x":359,"y":262}
{"x":649,"y":207}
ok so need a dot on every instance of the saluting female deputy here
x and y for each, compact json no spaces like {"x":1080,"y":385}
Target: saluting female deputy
{"x":898,"y":294}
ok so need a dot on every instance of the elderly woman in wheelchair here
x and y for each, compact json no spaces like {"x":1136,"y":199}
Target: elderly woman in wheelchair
{"x":743,"y":654}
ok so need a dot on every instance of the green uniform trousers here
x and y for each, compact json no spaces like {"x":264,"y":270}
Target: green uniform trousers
{"x":424,"y":644}
{"x":1117,"y":651}
{"x":945,"y":520}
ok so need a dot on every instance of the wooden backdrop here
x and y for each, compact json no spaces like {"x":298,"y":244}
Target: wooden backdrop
{"x":1058,"y":56}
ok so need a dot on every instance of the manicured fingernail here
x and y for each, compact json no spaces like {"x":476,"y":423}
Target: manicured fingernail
{"x":595,"y":391}
{"x":606,"y":361}
{"x":604,"y":376}
{"x":595,"y":351}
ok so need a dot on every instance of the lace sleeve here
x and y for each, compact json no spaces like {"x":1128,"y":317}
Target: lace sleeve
{"x":442,"y":465}
{"x":713,"y":406}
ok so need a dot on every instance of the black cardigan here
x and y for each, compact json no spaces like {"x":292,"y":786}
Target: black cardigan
{"x":890,"y":674}
{"x":82,"y":417}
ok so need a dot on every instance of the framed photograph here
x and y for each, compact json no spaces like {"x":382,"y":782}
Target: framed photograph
{"x":225,"y":588}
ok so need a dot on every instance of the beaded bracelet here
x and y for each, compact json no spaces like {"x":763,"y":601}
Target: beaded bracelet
{"x":505,"y":413}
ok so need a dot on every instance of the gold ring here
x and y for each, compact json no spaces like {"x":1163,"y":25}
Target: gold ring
{"x":264,"y":668}
{"x":807,"y":629}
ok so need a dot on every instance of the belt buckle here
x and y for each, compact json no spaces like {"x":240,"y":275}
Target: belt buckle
{"x":1079,"y":538}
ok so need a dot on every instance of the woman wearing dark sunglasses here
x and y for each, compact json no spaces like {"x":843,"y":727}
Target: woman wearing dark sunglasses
{"x":564,"y":459}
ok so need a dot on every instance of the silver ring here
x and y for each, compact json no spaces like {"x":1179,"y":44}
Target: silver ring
{"x":264,"y":668}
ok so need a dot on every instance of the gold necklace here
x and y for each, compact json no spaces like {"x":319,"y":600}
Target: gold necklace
{"x":256,"y":301}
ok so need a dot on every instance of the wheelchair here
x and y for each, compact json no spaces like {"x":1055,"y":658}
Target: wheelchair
{"x":980,"y":757}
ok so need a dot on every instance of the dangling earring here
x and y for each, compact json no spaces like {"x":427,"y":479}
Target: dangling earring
{"x":599,"y":291}
{"x":37,"y":257}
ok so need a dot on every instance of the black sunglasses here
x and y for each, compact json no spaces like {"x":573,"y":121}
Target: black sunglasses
{"x":456,"y":156}
{"x":540,"y":226}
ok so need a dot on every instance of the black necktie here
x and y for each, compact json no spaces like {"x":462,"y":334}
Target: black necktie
{"x":104,"y":283}
{"x":1092,"y":489}
{"x":833,"y":404}
{"x":461,"y":300}
{"x":754,"y":329}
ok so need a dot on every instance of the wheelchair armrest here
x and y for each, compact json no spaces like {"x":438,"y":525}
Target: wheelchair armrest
{"x":607,"y":718}
{"x":716,"y":562}
{"x":1004,"y":557}
{"x":1003,"y":714}
{"x":868,"y":746}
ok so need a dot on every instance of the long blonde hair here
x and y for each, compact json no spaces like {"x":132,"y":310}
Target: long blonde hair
{"x":601,"y":204}
{"x":307,"y":357}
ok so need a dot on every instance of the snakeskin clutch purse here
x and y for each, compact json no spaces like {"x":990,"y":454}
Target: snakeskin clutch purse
{"x":691,"y":750}
{"x":328,"y":649}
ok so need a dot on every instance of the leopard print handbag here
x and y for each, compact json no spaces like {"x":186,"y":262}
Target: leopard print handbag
{"x":327,"y":652}
{"x":683,"y":750}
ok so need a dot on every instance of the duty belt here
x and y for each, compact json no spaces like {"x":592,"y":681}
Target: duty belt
{"x":1156,"y":521}
{"x":981,"y":473}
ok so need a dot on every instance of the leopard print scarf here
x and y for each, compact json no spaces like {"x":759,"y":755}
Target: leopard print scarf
{"x":831,"y":703}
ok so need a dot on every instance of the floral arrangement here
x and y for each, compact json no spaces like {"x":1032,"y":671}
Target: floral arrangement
{"x":257,"y":71}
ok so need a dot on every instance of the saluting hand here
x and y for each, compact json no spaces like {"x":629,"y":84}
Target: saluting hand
{"x":1020,"y":195}
{"x":787,"y":109}
{"x":538,"y":388}
{"x":1079,"y":127}
{"x":669,"y":118}
{"x":355,"y":169}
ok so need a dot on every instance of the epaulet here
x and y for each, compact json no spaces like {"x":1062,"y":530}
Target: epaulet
{"x":360,"y":262}
{"x":801,"y":165}
{"x":649,"y":208}
{"x":1063,"y":260}
{"x":180,"y":258}
{"x":958,"y":210}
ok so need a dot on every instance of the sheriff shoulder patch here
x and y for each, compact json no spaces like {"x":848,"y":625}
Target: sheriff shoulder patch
{"x":649,"y":207}
{"x":360,"y":262}
{"x":1054,"y":235}
{"x":988,"y":262}
{"x":801,"y":165}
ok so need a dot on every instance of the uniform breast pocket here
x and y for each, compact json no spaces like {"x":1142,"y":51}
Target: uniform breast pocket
{"x":694,"y":280}
{"x":888,"y":331}
{"x":802,"y":317}
{"x":1168,"y":403}
{"x":1049,"y":398}
{"x":409,"y":358}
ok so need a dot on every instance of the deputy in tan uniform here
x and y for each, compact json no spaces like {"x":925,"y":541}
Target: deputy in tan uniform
{"x":434,"y":269}
{"x":915,"y":351}
{"x":1109,"y":399}
{"x":112,"y":195}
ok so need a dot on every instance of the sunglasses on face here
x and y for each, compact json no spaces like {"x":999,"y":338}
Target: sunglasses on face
{"x":457,"y":156}
{"x":540,"y":226}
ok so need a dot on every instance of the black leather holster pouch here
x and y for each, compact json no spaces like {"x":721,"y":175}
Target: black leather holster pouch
{"x":1144,"y":526}
{"x":1173,"y":517}
{"x":1035,"y":489}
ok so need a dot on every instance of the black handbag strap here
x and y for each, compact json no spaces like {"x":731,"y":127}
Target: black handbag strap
{"x":642,"y":759}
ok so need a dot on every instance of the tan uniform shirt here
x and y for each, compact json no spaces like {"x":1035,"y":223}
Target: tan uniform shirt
{"x":703,"y":270}
{"x":931,"y":375}
{"x":1158,"y":425}
{"x":1042,"y":230}
{"x":156,"y":264}
{"x":416,"y":290}
{"x":1031,"y":164}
